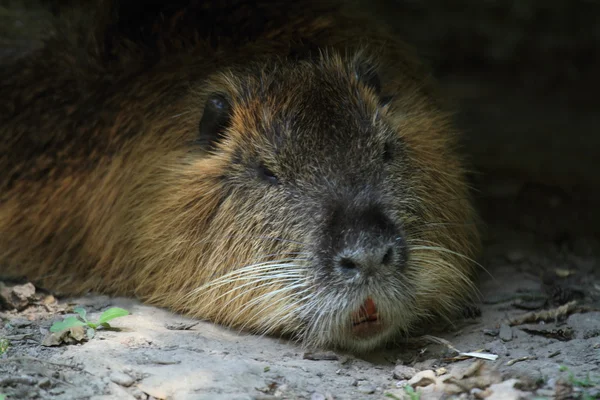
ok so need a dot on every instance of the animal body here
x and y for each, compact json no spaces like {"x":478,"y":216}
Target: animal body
{"x":279,"y":167}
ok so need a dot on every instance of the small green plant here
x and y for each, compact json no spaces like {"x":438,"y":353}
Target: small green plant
{"x":81,"y":320}
{"x":2,"y":397}
{"x":410,"y":391}
{"x":583,"y":384}
{"x":4,"y":345}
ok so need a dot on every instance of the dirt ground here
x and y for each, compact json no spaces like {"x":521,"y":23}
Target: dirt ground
{"x":539,"y":303}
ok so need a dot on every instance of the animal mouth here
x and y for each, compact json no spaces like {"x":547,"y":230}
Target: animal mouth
{"x":365,"y":321}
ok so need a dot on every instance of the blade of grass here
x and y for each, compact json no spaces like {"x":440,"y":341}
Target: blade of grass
{"x":112,"y":313}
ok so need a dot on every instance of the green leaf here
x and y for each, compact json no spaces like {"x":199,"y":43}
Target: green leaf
{"x":2,"y":396}
{"x":81,"y":313}
{"x":67,"y":323}
{"x":112,"y":313}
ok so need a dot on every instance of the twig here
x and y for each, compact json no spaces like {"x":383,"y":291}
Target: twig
{"x":549,"y":315}
{"x":516,"y":360}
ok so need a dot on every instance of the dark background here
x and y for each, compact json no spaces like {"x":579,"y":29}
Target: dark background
{"x":522,"y":75}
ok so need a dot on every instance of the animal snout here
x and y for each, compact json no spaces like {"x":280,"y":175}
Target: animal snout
{"x":354,"y":260}
{"x":364,"y":241}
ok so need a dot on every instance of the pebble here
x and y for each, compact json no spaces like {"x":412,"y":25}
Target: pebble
{"x":367,"y":389}
{"x":45,"y":383}
{"x":181,"y":326}
{"x":497,"y":347}
{"x":20,"y":323}
{"x":490,"y":332}
{"x":424,"y":365}
{"x":17,"y":296}
{"x":404,"y":372}
{"x":138,"y":394}
{"x":506,"y":333}
{"x":122,"y":379}
{"x":317,"y":396}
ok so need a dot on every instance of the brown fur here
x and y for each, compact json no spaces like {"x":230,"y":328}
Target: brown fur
{"x":102,"y":191}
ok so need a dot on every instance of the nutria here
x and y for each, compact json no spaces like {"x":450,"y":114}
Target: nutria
{"x":248,"y":163}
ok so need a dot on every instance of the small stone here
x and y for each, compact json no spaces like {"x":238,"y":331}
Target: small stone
{"x":181,"y":326}
{"x":497,"y":347}
{"x":45,"y":383}
{"x":16,"y":297}
{"x":56,"y":391}
{"x":317,"y":396}
{"x":402,"y":383}
{"x":138,"y":394}
{"x":424,"y":365}
{"x":367,"y":389}
{"x":402,"y":372}
{"x":20,"y":323}
{"x":423,"y":378}
{"x":482,"y":394}
{"x":49,"y":300}
{"x":122,"y":379}
{"x":506,"y":333}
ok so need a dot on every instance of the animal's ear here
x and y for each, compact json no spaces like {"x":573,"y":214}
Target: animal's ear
{"x":215,"y":119}
{"x":367,"y":73}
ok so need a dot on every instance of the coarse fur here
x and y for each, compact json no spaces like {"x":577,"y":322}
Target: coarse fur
{"x":333,"y":146}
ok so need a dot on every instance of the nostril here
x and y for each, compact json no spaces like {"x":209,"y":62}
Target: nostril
{"x":387,"y":257}
{"x":347,"y":265}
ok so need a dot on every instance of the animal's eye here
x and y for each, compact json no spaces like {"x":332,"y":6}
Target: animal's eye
{"x":215,"y":119}
{"x":267,"y":174}
{"x":388,"y":152}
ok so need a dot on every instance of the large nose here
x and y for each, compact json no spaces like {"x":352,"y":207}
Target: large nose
{"x":364,"y":241}
{"x":357,"y":259}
